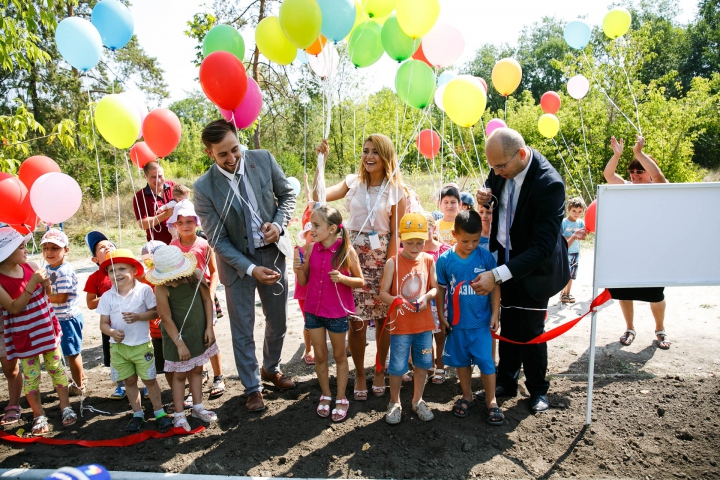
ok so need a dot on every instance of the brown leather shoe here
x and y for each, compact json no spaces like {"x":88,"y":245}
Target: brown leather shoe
{"x":255,"y":402}
{"x":278,"y":379}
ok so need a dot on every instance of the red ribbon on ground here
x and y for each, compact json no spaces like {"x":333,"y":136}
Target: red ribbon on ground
{"x":393,"y":306}
{"x":559,"y":330}
{"x":126,"y":441}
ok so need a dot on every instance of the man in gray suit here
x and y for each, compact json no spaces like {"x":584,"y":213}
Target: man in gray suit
{"x":244,"y":203}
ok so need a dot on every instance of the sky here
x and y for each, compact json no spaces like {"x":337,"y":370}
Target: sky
{"x":159,"y":26}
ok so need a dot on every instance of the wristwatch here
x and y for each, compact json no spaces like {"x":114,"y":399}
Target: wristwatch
{"x":496,"y":274}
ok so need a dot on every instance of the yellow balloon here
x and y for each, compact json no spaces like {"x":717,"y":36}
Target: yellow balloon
{"x":301,"y":21}
{"x":506,"y":76}
{"x":548,"y":125}
{"x":273,"y":43}
{"x":360,"y":17}
{"x":464,"y":101}
{"x":616,"y":22}
{"x":378,"y":8}
{"x":417,"y":17}
{"x":117,"y":121}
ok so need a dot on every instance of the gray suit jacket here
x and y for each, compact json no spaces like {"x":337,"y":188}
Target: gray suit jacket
{"x":221,"y":214}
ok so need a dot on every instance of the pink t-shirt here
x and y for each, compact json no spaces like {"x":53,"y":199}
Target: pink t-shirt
{"x":200,"y":250}
{"x":325,"y":298}
{"x":444,"y":247}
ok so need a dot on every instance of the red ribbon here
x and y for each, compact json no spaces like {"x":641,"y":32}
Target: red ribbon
{"x":126,"y":441}
{"x":393,"y":306}
{"x":456,"y":304}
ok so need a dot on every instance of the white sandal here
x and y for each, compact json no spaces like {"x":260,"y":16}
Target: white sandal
{"x":393,"y":414}
{"x":323,"y":411}
{"x":422,"y":411}
{"x":439,"y":377}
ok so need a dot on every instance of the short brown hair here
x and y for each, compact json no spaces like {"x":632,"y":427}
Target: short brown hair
{"x":150,"y":166}
{"x":576,"y":202}
{"x":214,"y":132}
{"x":180,"y":189}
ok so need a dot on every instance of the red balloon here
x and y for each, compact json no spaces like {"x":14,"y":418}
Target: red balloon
{"x":428,"y":142}
{"x":34,"y":167}
{"x":140,"y":154}
{"x":223,"y":79}
{"x":162,"y":130}
{"x":550,"y":102}
{"x":29,"y":225}
{"x":590,"y":216}
{"x":420,"y":55}
{"x":14,"y":199}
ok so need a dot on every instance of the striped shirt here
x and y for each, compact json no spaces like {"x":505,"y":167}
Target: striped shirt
{"x":64,"y":281}
{"x":32,"y":331}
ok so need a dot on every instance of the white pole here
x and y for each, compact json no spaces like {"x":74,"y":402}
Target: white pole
{"x":593,"y":318}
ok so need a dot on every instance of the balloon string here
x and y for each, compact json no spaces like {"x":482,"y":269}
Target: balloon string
{"x":97,"y":157}
{"x":622,"y":65}
{"x":477,"y":156}
{"x":442,"y":150}
{"x":575,"y":164}
{"x":587,"y":155}
{"x":505,"y":114}
{"x":569,"y":173}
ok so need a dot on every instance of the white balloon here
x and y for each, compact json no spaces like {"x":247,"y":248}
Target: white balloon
{"x":445,"y":77}
{"x":326,"y":62}
{"x":439,"y":96}
{"x":578,"y":86}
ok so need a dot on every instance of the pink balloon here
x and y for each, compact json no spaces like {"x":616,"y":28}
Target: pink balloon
{"x":249,"y":109}
{"x":443,"y":45}
{"x":44,"y":196}
{"x":493,"y":125}
{"x":484,"y":83}
{"x":578,"y":87}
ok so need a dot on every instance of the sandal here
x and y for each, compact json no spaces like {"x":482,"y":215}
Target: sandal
{"x":422,"y":411}
{"x":360,"y":395}
{"x":205,"y":415}
{"x":663,"y":343}
{"x":181,"y":422}
{"x":218,"y":387}
{"x":68,"y":417}
{"x":393,"y":414}
{"x":628,"y":337}
{"x":495,"y":416}
{"x":10,"y":418}
{"x":40,"y":426}
{"x":406,"y":377}
{"x":462,"y":407}
{"x":570,"y":298}
{"x":564,"y":298}
{"x":309,"y":359}
{"x":439,"y":377}
{"x":323,"y":411}
{"x":378,"y":391}
{"x":337,"y":414}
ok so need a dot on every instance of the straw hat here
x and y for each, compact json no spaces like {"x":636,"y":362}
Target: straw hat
{"x":170,"y":264}
{"x":121,"y":255}
{"x":10,"y":240}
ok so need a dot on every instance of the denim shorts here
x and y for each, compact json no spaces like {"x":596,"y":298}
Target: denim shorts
{"x":333,"y":325}
{"x":71,"y":340}
{"x":573,"y":261}
{"x":400,"y":347}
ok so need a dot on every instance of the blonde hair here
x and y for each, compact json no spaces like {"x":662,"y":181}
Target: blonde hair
{"x":332,"y":216}
{"x":180,"y":190}
{"x":386,"y":151}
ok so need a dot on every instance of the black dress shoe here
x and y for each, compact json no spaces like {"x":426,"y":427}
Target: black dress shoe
{"x":539,"y":403}
{"x":499,"y":392}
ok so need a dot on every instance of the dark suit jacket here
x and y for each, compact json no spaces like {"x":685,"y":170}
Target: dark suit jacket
{"x":538,"y":257}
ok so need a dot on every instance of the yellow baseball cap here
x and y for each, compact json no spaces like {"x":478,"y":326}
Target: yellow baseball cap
{"x":413,"y":225}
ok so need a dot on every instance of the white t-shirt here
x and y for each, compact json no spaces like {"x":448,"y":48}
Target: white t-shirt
{"x":357,"y":199}
{"x":139,"y":300}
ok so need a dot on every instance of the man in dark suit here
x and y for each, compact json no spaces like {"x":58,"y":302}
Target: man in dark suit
{"x":532,"y":256}
{"x":244,"y":203}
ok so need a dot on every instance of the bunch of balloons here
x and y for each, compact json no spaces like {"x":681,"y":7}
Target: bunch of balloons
{"x":548,"y":124}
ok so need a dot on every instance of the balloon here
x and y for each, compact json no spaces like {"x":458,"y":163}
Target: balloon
{"x":117,"y":120}
{"x":578,"y":87}
{"x":162,"y":129}
{"x":30,"y":223}
{"x":272,"y":42}
{"x":317,"y":46}
{"x":114,"y":22}
{"x":550,"y":102}
{"x":325,"y":65}
{"x":439,"y":96}
{"x":378,"y":8}
{"x":300,"y":21}
{"x":443,"y":45}
{"x":79,"y":43}
{"x":14,"y":199}
{"x":302,"y":57}
{"x":295,"y":184}
{"x":445,"y":77}
{"x":577,"y":34}
{"x":224,"y":38}
{"x":397,"y":45}
{"x":616,"y":22}
{"x":248,"y":111}
{"x":493,"y":125}
{"x":506,"y":76}
{"x":428,"y":143}
{"x":140,"y":154}
{"x":365,"y":45}
{"x":223,"y":79}
{"x":338,"y":18}
{"x":464,"y":101}
{"x":483,"y":83}
{"x":417,"y":17}
{"x":548,"y":125}
{"x":360,"y":17}
{"x":44,"y":196}
{"x":420,"y":55}
{"x":34,"y":167}
{"x":591,"y":216}
{"x":415,"y":83}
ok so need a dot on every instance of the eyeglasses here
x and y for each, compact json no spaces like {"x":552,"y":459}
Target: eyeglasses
{"x":504,"y":165}
{"x":636,"y":172}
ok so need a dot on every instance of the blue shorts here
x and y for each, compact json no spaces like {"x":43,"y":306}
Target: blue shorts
{"x":71,"y":340}
{"x":400,"y":347}
{"x":573,"y":261}
{"x":467,"y":347}
{"x":333,"y":325}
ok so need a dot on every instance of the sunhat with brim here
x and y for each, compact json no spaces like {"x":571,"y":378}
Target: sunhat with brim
{"x":304,"y":231}
{"x":10,"y":240}
{"x":171,"y":264}
{"x":184,"y":208}
{"x":121,"y":255}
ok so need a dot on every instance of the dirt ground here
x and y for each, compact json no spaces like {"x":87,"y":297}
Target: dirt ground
{"x":655,"y":412}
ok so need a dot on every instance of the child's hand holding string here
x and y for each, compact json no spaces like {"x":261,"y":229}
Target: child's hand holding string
{"x":118,"y":335}
{"x":130,"y":317}
{"x":183,"y":352}
{"x":336,"y":276}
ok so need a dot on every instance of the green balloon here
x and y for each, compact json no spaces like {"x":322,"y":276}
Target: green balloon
{"x":415,"y":83}
{"x":224,"y":38}
{"x":365,"y":45}
{"x":396,"y":43}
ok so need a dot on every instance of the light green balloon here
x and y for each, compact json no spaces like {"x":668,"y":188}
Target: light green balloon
{"x":396,"y":43}
{"x":365,"y":45}
{"x":301,"y":21}
{"x":117,"y":121}
{"x":224,"y":38}
{"x":415,"y":83}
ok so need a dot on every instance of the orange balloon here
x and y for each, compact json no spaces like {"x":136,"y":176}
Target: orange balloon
{"x":318,"y":46}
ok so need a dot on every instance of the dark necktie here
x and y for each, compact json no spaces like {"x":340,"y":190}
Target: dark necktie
{"x":508,"y":218}
{"x":246,"y":213}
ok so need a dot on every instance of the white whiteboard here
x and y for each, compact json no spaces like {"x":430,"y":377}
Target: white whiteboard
{"x":658,"y":235}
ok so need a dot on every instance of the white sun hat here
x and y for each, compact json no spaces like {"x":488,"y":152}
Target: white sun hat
{"x":170,"y":263}
{"x":184,"y":208}
{"x":10,"y":240}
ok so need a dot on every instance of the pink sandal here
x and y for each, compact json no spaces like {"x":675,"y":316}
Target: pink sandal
{"x":309,"y":359}
{"x":324,"y":410}
{"x":11,"y":418}
{"x":342,"y":413}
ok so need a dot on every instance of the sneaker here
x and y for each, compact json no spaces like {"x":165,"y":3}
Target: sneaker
{"x":135,"y":424}
{"x":118,"y":394}
{"x":204,"y":415}
{"x":539,"y":403}
{"x":422,"y":411}
{"x":163,"y":423}
{"x":144,"y":393}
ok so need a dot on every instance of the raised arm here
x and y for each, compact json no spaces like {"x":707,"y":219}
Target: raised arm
{"x":337,"y":191}
{"x":609,"y":173}
{"x":648,"y":164}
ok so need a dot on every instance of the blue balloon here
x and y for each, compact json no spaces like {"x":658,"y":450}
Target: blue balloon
{"x":445,"y":77}
{"x":79,"y":43}
{"x":577,"y":34}
{"x":338,"y":18}
{"x":302,"y":56}
{"x":114,"y":22}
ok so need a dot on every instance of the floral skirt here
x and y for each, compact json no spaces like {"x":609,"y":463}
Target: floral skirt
{"x":198,"y":361}
{"x":372,"y":263}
